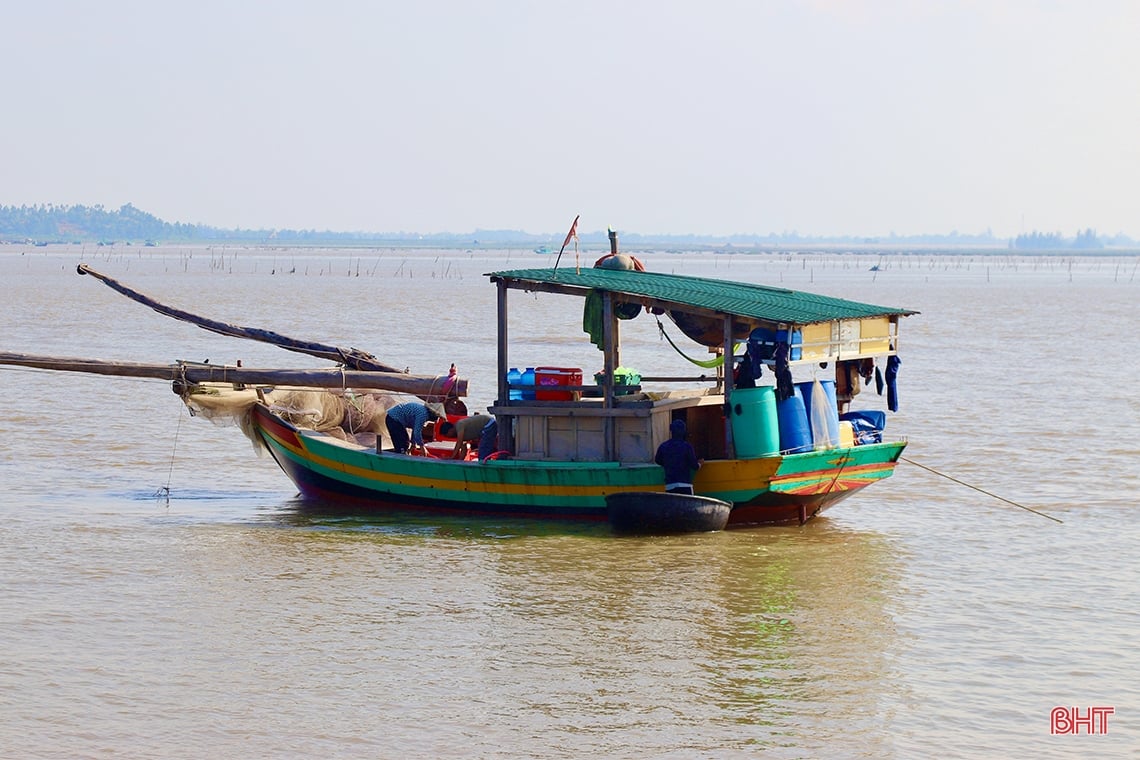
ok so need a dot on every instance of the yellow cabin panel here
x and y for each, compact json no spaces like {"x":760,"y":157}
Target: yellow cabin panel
{"x":876,"y":335}
{"x":817,"y":341}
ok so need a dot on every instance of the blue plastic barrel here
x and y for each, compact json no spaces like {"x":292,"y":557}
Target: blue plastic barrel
{"x":755,"y":428}
{"x":528,"y":380}
{"x":824,"y":423}
{"x":795,"y":433}
{"x":513,"y":377}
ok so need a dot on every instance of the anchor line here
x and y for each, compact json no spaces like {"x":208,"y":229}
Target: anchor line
{"x":980,"y":490}
{"x":165,"y":490}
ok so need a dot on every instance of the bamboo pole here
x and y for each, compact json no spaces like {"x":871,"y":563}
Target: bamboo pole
{"x":333,"y":377}
{"x":350,"y":357}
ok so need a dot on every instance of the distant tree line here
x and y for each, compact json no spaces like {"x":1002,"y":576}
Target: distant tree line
{"x":49,"y":223}
{"x":67,"y":224}
{"x":1085,"y":239}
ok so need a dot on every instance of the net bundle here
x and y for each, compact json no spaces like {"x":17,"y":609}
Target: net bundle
{"x":355,"y":416}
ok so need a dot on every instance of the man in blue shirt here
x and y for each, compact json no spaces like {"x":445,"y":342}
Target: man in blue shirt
{"x":412,"y":415}
{"x":679,"y":460}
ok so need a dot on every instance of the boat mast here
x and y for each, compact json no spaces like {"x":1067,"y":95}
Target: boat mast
{"x":611,"y":339}
{"x":506,"y":422}
{"x":726,"y":372}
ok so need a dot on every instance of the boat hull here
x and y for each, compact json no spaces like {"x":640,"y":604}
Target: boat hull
{"x":778,"y":489}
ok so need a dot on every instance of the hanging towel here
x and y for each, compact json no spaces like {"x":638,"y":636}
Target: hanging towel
{"x":893,"y":363}
{"x":592,"y":319}
{"x":879,"y":381}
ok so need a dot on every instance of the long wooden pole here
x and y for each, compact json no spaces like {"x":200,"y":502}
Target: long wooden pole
{"x":350,"y":357}
{"x":430,"y":388}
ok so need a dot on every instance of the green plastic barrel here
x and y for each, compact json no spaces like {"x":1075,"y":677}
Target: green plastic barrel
{"x":755,"y":425}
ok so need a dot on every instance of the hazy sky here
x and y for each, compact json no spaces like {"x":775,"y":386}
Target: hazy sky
{"x":708,"y":117}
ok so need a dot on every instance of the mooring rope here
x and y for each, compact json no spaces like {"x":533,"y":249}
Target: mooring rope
{"x":980,"y":490}
{"x":165,"y":490}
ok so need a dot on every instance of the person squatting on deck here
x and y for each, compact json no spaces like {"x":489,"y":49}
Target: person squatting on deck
{"x":413,"y":415}
{"x":467,"y":430}
{"x":679,"y":459}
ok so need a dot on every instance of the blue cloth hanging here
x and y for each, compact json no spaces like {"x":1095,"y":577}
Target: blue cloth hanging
{"x":892,"y":372}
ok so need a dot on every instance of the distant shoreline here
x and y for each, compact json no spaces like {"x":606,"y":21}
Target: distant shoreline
{"x":129,"y":226}
{"x":547,"y":259}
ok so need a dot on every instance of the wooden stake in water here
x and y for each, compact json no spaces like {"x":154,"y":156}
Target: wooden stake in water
{"x":981,"y":490}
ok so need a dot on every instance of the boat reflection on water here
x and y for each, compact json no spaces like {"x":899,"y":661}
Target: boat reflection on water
{"x":738,"y":637}
{"x":317,"y":514}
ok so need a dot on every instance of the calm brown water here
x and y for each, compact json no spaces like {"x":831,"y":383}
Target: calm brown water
{"x":918,"y":618}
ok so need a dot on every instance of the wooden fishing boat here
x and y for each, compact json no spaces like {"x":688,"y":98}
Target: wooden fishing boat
{"x":562,"y":457}
{"x":561,"y":453}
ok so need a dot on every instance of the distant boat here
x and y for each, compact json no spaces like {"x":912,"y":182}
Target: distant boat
{"x":544,"y":249}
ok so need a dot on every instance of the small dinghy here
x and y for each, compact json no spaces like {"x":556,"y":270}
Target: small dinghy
{"x":656,"y":512}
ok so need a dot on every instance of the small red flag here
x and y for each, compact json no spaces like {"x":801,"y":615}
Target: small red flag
{"x":572,"y":234}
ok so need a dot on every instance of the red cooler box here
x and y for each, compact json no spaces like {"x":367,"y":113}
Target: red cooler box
{"x":548,"y":382}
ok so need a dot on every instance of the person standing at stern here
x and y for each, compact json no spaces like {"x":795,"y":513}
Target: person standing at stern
{"x":679,"y":459}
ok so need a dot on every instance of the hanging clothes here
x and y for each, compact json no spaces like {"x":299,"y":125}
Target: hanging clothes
{"x":593,"y":316}
{"x":878,"y":381}
{"x":893,"y":363}
{"x":867,"y":369}
{"x":758,"y":352}
{"x":592,"y":319}
{"x":847,"y":379}
{"x":744,"y":376}
{"x":841,"y":384}
{"x":785,"y":388}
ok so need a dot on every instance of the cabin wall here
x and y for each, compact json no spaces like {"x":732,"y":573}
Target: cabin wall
{"x":875,"y":336}
{"x":582,"y":438}
{"x":706,"y":431}
{"x":577,"y":432}
{"x":817,"y":342}
{"x":847,"y":339}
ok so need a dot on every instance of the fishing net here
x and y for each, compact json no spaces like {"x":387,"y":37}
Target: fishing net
{"x":343,"y":414}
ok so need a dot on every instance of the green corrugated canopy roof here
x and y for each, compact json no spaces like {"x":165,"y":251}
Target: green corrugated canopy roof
{"x":755,"y":302}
